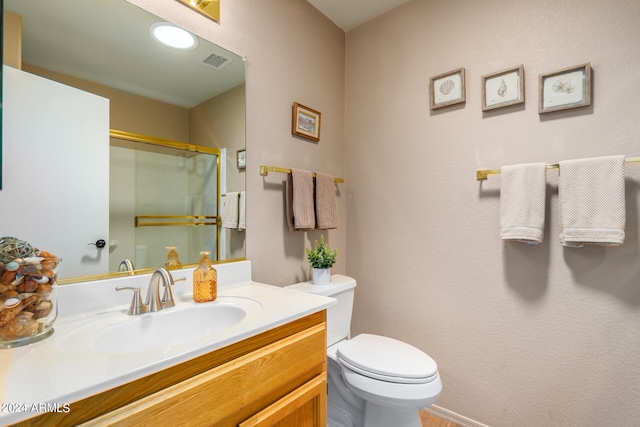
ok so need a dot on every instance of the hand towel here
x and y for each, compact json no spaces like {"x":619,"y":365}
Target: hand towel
{"x":522,"y":202}
{"x":299,"y":201}
{"x":230,"y":212}
{"x":242,"y":222}
{"x":325,"y":202}
{"x":591,"y":197}
{"x":289,"y":203}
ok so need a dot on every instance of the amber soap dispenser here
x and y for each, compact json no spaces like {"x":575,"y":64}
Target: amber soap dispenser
{"x":205,"y":280}
{"x":173,"y":262}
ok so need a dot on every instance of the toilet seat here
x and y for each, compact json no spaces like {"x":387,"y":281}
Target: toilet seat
{"x":386,"y":359}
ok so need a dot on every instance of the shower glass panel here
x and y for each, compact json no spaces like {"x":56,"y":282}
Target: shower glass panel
{"x":169,"y":196}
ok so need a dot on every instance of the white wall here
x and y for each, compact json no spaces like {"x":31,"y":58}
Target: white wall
{"x":523,"y":335}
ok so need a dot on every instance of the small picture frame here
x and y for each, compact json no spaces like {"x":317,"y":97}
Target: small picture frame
{"x":210,"y":9}
{"x":241,"y":159}
{"x":503,"y":88}
{"x":447,"y":89}
{"x":565,"y":89}
{"x":305,"y":122}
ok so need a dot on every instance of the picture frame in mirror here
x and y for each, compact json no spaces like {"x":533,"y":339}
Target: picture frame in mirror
{"x":241,"y":159}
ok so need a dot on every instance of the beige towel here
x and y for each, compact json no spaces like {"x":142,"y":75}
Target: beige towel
{"x":591,"y":197}
{"x":299,"y":200}
{"x":230,"y":213}
{"x":522,"y":202}
{"x":326,"y":204}
{"x":242,"y":222}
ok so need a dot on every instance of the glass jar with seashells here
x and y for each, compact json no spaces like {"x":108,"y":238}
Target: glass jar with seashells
{"x":28,"y":293}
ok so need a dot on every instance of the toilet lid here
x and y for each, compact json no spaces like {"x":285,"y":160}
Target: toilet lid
{"x":386,"y":359}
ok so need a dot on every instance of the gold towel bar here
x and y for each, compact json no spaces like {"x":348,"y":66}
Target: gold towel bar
{"x":190,"y":220}
{"x":483,"y":174}
{"x":264,"y":171}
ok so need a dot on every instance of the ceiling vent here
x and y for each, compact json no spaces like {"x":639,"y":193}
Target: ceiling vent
{"x":216,"y":61}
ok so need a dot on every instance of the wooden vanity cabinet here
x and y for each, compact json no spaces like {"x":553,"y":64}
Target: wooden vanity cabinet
{"x":277,"y":378}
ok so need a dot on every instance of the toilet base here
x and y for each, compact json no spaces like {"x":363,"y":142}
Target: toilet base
{"x":339,"y":417}
{"x":385,"y":416}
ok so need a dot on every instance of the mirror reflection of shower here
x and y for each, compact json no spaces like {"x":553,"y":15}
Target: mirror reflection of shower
{"x":164,"y":196}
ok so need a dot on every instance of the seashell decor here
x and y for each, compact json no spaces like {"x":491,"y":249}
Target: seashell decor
{"x":502,"y":90}
{"x":27,"y":292}
{"x":12,"y":248}
{"x":563,"y":86}
{"x":447,"y":86}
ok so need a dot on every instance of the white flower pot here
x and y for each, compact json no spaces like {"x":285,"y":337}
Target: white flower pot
{"x":321,"y":276}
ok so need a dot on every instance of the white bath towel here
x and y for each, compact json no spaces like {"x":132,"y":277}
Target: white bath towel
{"x":242,"y":222}
{"x":230,"y":213}
{"x":591,"y":197}
{"x":522,"y":202}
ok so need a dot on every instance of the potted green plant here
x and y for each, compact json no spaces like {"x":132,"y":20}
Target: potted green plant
{"x":322,"y":259}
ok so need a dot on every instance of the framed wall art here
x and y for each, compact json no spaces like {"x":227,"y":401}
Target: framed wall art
{"x":305,"y":122}
{"x":503,"y":88}
{"x":447,"y":89}
{"x":241,"y":159}
{"x":209,"y":8}
{"x":565,"y":89}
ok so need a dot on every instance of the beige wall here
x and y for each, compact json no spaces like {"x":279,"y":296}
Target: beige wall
{"x":294,"y":54}
{"x":221,"y":123}
{"x":128,"y":112}
{"x":12,"y":50}
{"x":523,"y":335}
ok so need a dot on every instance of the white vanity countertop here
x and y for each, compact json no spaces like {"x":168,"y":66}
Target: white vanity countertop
{"x":50,"y":374}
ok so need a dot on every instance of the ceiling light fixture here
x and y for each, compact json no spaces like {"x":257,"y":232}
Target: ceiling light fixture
{"x":173,"y":36}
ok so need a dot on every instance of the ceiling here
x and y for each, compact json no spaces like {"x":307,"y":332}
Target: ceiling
{"x":61,"y":35}
{"x":108,"y":42}
{"x":348,"y":14}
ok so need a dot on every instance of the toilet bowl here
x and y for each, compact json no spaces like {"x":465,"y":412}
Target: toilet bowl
{"x":374,"y":381}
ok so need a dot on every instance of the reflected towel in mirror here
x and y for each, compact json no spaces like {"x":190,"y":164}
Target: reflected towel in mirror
{"x":230,"y":212}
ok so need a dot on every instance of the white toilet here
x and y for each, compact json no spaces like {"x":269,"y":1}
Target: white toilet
{"x":374,"y":381}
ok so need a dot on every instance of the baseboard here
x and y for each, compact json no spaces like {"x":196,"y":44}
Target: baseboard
{"x":445,"y":414}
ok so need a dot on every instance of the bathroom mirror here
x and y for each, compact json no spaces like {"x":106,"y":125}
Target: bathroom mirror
{"x":193,"y":96}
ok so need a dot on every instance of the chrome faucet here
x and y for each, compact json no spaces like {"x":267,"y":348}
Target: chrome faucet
{"x":126,"y":265}
{"x":153,"y":301}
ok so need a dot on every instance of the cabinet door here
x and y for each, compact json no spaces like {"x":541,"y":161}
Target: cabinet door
{"x":304,"y":407}
{"x":228,"y":394}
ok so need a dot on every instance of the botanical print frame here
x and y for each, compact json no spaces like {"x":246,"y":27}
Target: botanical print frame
{"x":565,"y":89}
{"x":305,"y":122}
{"x":503,"y":88}
{"x":447,"y":89}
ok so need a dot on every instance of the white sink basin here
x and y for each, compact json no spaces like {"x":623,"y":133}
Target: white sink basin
{"x":117,"y":332}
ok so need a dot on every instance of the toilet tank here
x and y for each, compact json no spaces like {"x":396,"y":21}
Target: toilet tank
{"x":341,"y":288}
